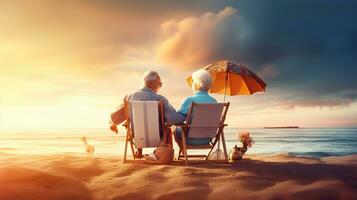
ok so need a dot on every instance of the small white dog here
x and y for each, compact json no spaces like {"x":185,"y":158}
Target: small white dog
{"x":89,"y":148}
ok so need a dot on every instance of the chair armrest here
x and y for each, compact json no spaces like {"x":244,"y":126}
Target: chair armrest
{"x":206,"y":126}
{"x":182,"y":125}
{"x":189,"y":125}
{"x":170,"y":124}
{"x":125,"y":123}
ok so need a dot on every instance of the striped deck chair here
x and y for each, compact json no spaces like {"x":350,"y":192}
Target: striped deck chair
{"x":204,"y":120}
{"x":143,"y":125}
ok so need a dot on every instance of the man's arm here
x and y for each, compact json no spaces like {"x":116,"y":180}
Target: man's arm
{"x":171,"y":116}
{"x":113,"y":127}
{"x":118,"y":116}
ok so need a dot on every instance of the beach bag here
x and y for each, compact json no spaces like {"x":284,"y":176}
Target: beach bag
{"x":164,"y":154}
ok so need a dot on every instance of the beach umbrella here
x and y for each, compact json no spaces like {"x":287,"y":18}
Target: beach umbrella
{"x":231,"y":79}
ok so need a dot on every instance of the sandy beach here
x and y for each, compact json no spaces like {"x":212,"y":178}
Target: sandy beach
{"x":273,"y":80}
{"x":70,"y":176}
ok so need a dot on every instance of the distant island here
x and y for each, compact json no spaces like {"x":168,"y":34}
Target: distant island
{"x":275,"y":127}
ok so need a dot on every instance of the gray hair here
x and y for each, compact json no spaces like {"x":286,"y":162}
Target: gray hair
{"x":149,"y":76}
{"x":202,"y":79}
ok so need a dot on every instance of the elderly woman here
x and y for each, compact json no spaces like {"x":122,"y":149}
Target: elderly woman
{"x":201,"y":84}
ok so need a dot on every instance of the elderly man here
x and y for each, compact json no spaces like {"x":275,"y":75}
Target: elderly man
{"x":151,"y":85}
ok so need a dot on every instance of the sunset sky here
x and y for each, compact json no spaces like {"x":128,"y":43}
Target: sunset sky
{"x":68,"y":64}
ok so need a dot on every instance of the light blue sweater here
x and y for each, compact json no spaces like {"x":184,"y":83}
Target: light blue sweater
{"x":198,"y":97}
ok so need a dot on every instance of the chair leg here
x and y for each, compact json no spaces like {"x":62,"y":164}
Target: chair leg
{"x":132,"y":146}
{"x":179,"y":154}
{"x":213,"y":145}
{"x":184,"y":147}
{"x":169,"y":135}
{"x":224,"y":147}
{"x":125,"y":148}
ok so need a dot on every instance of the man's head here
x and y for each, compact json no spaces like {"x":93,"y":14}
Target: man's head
{"x":152,"y":80}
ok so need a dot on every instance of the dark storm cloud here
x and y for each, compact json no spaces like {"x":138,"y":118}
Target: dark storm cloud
{"x":311,"y":44}
{"x":306,"y":50}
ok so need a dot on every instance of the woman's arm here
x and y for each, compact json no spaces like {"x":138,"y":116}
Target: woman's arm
{"x":185,"y":106}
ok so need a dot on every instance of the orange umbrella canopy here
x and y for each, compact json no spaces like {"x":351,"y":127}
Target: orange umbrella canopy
{"x":232,"y":79}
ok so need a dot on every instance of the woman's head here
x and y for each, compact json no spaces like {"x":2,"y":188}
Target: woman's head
{"x":201,"y":81}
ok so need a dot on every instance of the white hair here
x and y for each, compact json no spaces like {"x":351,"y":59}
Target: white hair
{"x":202,"y":79}
{"x":149,"y":76}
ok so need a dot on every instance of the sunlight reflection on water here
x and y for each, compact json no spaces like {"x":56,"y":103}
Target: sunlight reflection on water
{"x":315,"y":142}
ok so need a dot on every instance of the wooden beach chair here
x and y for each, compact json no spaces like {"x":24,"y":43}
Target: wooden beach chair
{"x":204,"y":120}
{"x":143,"y":125}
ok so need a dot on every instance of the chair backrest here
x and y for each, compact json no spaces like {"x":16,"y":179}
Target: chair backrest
{"x":205,"y":118}
{"x":145,"y":126}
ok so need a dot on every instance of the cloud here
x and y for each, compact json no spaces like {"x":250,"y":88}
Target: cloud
{"x":317,"y":103}
{"x":269,"y":72}
{"x":194,"y":41}
{"x":293,"y":46}
{"x":304,"y":50}
{"x":311,"y":44}
{"x":53,"y":51}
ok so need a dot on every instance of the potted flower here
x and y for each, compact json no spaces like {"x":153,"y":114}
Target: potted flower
{"x":238,"y":152}
{"x":246,"y":140}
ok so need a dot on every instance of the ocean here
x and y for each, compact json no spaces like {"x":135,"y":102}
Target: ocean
{"x":312,"y":142}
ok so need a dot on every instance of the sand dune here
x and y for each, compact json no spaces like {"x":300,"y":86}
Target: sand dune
{"x":61,"y":177}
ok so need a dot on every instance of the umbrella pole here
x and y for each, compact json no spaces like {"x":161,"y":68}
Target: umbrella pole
{"x":225,"y":88}
{"x":224,"y":101}
{"x":224,"y":98}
